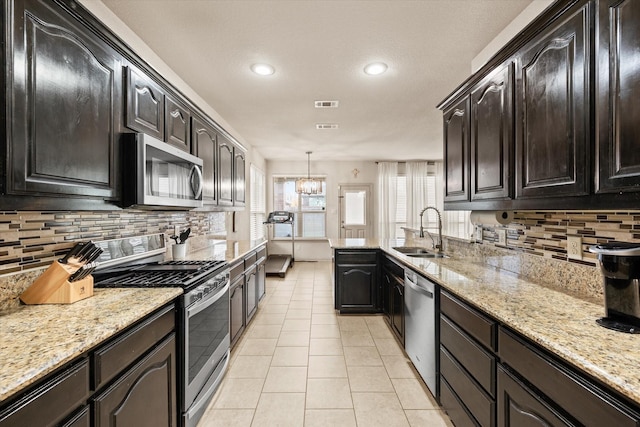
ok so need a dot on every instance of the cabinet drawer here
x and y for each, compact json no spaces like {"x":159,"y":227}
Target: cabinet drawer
{"x":454,"y":408}
{"x":261,"y":253}
{"x":470,"y":320}
{"x":480,"y":364}
{"x":587,"y":404}
{"x":476,"y":400}
{"x":50,"y":403}
{"x":356,"y":257}
{"x":250,"y":259}
{"x":127,"y":348}
{"x":236,"y":271}
{"x":81,"y":419}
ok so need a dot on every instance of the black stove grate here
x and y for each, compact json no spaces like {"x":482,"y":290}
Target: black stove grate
{"x":167,"y":274}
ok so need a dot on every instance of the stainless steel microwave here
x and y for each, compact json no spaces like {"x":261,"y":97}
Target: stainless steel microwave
{"x":159,"y":176}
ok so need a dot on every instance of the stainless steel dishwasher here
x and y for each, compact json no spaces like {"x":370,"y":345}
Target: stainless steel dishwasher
{"x":420,"y":326}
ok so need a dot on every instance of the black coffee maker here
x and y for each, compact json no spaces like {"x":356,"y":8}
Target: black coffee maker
{"x":620,"y":265}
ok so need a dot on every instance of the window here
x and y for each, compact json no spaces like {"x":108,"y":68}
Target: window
{"x":258,"y":205}
{"x":309,"y":210}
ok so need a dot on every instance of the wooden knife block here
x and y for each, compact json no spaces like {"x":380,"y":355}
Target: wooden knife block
{"x":53,"y":286}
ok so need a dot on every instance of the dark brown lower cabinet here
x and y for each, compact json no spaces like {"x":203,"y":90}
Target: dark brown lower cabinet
{"x":397,"y":309}
{"x":454,"y":407}
{"x":143,"y":396}
{"x":521,"y":407}
{"x":236,"y":309}
{"x":81,"y":419}
{"x":251,"y":293}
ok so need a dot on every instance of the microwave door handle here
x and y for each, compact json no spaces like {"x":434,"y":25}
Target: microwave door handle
{"x":197,"y":192}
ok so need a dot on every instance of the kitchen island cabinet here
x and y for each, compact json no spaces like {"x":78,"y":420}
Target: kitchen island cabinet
{"x":356,"y":281}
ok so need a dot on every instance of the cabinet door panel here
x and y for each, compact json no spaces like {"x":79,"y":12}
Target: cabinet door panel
{"x":236,"y":315}
{"x":145,"y":396}
{"x":225,"y":177}
{"x":66,"y":93}
{"x":204,"y":146}
{"x":552,"y":104}
{"x":492,"y":136}
{"x":178,"y":123}
{"x":145,"y":105}
{"x":251,"y":294}
{"x":456,"y":152}
{"x":357,"y":288}
{"x":239,"y":195}
{"x":619,"y":85}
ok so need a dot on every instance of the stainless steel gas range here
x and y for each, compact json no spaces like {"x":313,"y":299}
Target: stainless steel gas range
{"x":203,"y":314}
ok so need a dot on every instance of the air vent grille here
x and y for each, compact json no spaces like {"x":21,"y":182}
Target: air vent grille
{"x":327,"y":104}
{"x":326,"y":126}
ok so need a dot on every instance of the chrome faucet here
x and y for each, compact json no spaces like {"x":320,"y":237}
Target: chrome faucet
{"x":422,"y":229}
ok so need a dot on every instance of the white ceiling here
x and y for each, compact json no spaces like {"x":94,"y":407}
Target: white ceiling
{"x":319,"y":48}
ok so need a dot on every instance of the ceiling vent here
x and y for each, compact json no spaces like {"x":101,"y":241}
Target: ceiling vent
{"x":326,"y":126}
{"x":327,"y":104}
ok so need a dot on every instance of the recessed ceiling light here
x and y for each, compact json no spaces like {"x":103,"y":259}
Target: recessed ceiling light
{"x":375,"y":68}
{"x":263,"y":69}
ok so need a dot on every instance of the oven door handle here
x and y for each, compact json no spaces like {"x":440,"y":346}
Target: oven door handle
{"x":203,"y":304}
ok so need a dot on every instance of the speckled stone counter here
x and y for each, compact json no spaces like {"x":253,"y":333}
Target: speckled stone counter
{"x":558,"y":322}
{"x":225,"y":250}
{"x":37,"y":339}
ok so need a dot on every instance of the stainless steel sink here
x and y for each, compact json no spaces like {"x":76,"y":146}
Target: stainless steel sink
{"x":418,"y":252}
{"x":411,"y":250}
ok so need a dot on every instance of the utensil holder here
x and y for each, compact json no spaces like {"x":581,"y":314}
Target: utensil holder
{"x":53,"y":286}
{"x":179,"y":251}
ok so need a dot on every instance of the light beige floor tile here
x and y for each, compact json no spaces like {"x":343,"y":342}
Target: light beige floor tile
{"x":238,"y":393}
{"x":269,"y":318}
{"x":302,"y":297}
{"x":227,"y":418}
{"x":249,"y":367}
{"x":323,"y":308}
{"x":329,"y":418}
{"x":328,"y":393}
{"x":275,"y":308}
{"x":296,"y":325}
{"x":356,"y":338}
{"x":388,"y":347}
{"x":324,"y":301}
{"x":300,"y":305}
{"x":327,"y":367}
{"x":369,"y":379}
{"x":411,"y":393}
{"x":325,"y":347}
{"x":379,"y":410}
{"x":431,"y":418}
{"x":293,"y":339}
{"x":258,"y":347}
{"x":290,"y":356}
{"x":398,"y":367}
{"x":280,"y":409}
{"x":380,"y":330}
{"x":325,"y":331}
{"x":286,"y":379}
{"x":362,"y":356}
{"x":279,"y":300}
{"x":324,"y":319}
{"x":294,"y":313}
{"x":265,"y":331}
{"x":352,"y":323}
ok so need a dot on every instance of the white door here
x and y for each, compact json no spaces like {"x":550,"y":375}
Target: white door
{"x":355,"y":211}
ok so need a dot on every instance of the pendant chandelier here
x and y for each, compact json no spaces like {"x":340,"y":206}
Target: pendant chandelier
{"x":308,"y":185}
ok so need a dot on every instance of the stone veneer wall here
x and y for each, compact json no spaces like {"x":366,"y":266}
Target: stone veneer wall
{"x":537,"y":247}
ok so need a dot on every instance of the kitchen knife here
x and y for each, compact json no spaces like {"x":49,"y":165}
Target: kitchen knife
{"x":74,"y":250}
{"x":83,"y":272}
{"x":84,"y":253}
{"x":94,"y":254}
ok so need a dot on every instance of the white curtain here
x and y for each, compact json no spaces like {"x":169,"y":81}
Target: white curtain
{"x":419,"y":193}
{"x":455,"y":223}
{"x":387,"y":199}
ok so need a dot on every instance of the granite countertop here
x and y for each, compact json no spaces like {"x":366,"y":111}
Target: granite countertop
{"x":223,"y":250}
{"x":558,"y":322}
{"x":35,"y":340}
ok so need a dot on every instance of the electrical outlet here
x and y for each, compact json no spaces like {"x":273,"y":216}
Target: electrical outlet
{"x":574,"y":247}
{"x":478,"y":233}
{"x":502,"y":237}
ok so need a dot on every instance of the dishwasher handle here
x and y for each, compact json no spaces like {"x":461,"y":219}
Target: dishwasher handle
{"x":411,"y":282}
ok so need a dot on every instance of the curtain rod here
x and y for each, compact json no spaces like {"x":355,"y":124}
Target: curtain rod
{"x":429,"y":162}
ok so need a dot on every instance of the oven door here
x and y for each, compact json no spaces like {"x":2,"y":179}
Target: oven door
{"x":206,"y":341}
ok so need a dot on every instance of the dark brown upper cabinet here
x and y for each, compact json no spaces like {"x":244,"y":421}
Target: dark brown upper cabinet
{"x":63,"y":115}
{"x":177,"y":119}
{"x":204,"y":138}
{"x":239,"y":183}
{"x":226,"y":160}
{"x":552,"y":110}
{"x":492,"y":135}
{"x":618,"y":111}
{"x":145,"y":104}
{"x":456,"y":152}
